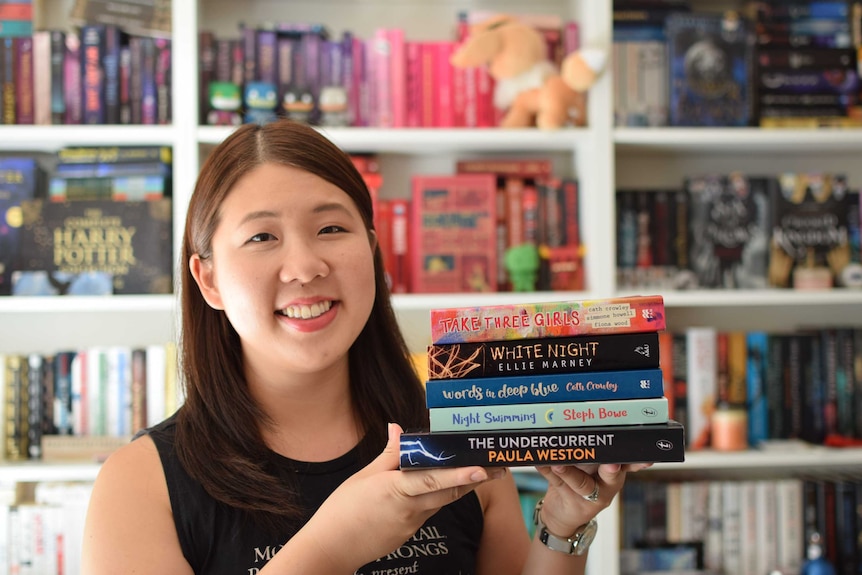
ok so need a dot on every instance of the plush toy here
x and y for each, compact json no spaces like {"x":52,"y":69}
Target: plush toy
{"x":529,"y":87}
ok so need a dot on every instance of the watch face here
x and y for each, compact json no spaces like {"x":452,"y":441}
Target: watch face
{"x":586,"y":537}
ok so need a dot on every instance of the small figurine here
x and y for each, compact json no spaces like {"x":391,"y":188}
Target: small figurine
{"x":298,"y":104}
{"x":522,"y":263}
{"x":225,"y":101}
{"x":333,"y":106}
{"x":261,"y":100}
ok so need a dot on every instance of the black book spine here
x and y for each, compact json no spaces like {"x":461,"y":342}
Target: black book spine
{"x":521,"y":448}
{"x":543,"y":356}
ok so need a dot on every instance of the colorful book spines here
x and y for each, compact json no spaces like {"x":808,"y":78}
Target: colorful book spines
{"x":607,"y":444}
{"x":553,"y":319}
{"x":545,"y":389}
{"x":524,"y":416}
{"x":608,"y":352}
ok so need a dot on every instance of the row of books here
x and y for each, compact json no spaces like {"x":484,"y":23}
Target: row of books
{"x":746,"y":527}
{"x":95,"y":75}
{"x":385,"y":80}
{"x":97,"y":222}
{"x":494,"y":225}
{"x":766,"y":65}
{"x":42,"y":527}
{"x":574,"y":416}
{"x":801,"y":385}
{"x":110,"y":391}
{"x":743,"y":231}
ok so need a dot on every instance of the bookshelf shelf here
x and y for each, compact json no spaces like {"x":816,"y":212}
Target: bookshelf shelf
{"x":737,"y":140}
{"x":37,"y":471}
{"x":87,"y":305}
{"x":779,"y":459}
{"x":51,"y":138}
{"x":423,"y":141}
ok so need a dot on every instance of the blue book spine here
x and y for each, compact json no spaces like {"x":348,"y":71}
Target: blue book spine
{"x":561,"y":387}
{"x":758,"y":406}
{"x":550,"y":415}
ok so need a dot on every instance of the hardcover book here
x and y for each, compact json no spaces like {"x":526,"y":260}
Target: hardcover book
{"x":559,"y":387}
{"x":710,"y":59}
{"x":550,"y":415}
{"x":604,"y":444}
{"x":452,"y":229}
{"x":129,"y":240}
{"x":810,"y":246}
{"x":543,"y":356}
{"x":730,"y":222}
{"x":630,"y":314}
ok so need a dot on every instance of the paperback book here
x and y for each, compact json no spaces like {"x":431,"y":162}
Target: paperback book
{"x":664,"y":442}
{"x":550,"y":415}
{"x":543,"y":356}
{"x":524,"y":389}
{"x":630,"y":314}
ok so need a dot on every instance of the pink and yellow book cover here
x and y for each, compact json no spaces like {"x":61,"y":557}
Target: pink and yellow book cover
{"x":631,"y":314}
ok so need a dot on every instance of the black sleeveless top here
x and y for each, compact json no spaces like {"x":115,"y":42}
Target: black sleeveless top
{"x":217,"y":539}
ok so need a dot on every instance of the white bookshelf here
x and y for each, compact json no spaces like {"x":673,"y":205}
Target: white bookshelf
{"x":601,"y":156}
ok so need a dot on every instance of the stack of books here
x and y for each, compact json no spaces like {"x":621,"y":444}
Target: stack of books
{"x":546,"y":384}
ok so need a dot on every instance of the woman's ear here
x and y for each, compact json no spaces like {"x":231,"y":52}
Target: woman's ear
{"x":372,"y":239}
{"x":202,"y":271}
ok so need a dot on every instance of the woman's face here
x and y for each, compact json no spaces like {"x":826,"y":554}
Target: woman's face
{"x":292,"y":266}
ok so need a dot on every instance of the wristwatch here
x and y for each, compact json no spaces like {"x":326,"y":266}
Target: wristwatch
{"x":577,"y":544}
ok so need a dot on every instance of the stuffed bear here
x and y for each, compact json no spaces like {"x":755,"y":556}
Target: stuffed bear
{"x":528,"y":87}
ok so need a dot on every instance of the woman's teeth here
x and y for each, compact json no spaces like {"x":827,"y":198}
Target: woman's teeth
{"x":307,"y":311}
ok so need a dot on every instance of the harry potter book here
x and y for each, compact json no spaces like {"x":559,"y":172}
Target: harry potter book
{"x":550,"y":319}
{"x":664,"y":442}
{"x":131,"y":241}
{"x":543,"y":356}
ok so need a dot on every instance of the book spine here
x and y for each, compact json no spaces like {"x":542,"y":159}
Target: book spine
{"x":149,"y":94}
{"x":63,"y":392}
{"x":413,"y":93}
{"x":8,"y":70}
{"x":111,"y":67}
{"x":35,"y":393}
{"x":561,"y":387}
{"x":42,"y":77}
{"x":93,"y":74}
{"x":609,"y":352}
{"x":398,"y":77}
{"x":382,"y":64}
{"x":445,"y":114}
{"x":58,"y":88}
{"x":163,"y":79}
{"x":619,"y":444}
{"x":550,"y":415}
{"x":702,"y":370}
{"x":757,"y":402}
{"x":554,"y":319}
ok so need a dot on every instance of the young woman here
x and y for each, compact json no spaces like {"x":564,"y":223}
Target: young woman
{"x":284,"y":457}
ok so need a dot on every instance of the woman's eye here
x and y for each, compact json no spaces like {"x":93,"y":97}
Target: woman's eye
{"x":262,"y":237}
{"x":333,"y":229}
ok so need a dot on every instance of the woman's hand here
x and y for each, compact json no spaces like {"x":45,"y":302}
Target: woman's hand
{"x":380,"y":507}
{"x":576,"y":493}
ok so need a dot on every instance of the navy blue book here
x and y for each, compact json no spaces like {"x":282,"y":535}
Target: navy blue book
{"x":548,"y":388}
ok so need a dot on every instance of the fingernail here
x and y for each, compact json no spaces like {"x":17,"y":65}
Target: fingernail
{"x":558,"y":469}
{"x":479,"y":475}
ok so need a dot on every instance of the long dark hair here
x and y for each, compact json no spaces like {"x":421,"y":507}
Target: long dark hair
{"x":218,"y":440}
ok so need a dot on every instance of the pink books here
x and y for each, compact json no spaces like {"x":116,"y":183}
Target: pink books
{"x":630,"y":314}
{"x":397,"y":77}
{"x":453,"y":233}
